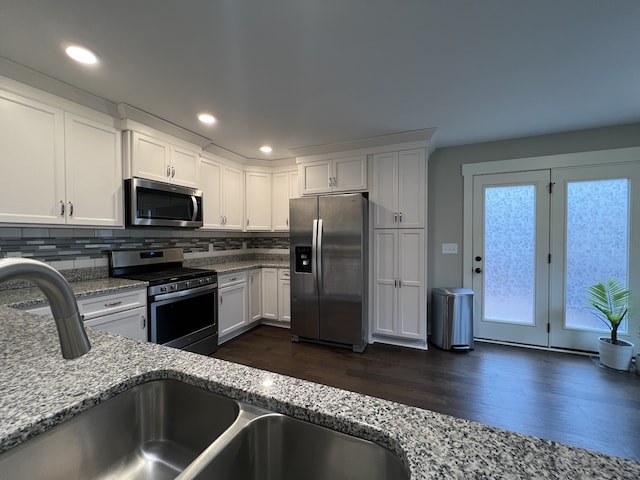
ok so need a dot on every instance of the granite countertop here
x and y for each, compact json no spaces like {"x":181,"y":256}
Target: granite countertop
{"x":33,"y":296}
{"x":228,"y":267}
{"x":40,"y":389}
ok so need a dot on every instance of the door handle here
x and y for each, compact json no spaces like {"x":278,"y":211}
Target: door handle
{"x":71,"y":209}
{"x":61,"y":208}
{"x":319,"y":260}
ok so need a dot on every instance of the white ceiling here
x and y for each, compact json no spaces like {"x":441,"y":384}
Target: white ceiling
{"x":298,"y":73}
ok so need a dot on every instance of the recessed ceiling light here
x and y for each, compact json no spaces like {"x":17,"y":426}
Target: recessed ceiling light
{"x":266,"y":149}
{"x":81,"y":54}
{"x":207,"y":118}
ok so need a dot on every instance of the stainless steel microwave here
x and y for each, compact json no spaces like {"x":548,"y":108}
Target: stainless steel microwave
{"x":157,"y":204}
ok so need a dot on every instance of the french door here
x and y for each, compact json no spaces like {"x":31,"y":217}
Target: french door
{"x":539,"y":239}
{"x":510,"y":250}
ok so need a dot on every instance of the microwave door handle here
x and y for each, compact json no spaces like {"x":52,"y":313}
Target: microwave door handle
{"x":194,"y":202}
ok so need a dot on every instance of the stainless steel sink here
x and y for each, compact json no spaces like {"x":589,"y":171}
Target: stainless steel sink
{"x":277,"y":447}
{"x":152,"y":431}
{"x":166,"y":429}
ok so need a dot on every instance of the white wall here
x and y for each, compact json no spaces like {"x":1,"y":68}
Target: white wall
{"x":446,"y":194}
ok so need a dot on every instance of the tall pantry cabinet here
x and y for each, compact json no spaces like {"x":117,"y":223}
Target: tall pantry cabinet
{"x":398,"y":203}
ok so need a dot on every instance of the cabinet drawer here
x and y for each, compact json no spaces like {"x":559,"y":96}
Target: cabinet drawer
{"x":231,"y":279}
{"x":284,"y":274}
{"x":93,"y":307}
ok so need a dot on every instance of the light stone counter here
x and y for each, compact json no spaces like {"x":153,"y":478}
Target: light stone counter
{"x":39,"y":389}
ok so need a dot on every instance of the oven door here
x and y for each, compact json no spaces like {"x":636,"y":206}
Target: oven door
{"x":187,"y":320}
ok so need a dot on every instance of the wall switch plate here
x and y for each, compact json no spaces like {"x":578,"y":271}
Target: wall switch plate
{"x":449,"y":248}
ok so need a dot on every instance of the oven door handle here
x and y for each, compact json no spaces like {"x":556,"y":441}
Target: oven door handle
{"x":184,"y":293}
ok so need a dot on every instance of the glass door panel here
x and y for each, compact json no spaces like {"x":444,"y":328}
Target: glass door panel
{"x":592,"y":235}
{"x":511,"y":245}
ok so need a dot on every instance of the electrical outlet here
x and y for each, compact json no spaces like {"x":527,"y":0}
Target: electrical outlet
{"x":450,"y":248}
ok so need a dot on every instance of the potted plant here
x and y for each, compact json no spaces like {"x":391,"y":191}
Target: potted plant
{"x":611,"y":300}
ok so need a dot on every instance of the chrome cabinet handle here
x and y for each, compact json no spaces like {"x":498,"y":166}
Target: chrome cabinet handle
{"x":71,"y":209}
{"x":220,"y":299}
{"x":247,"y":222}
{"x":287,"y":221}
{"x":221,"y":222}
{"x":143,"y":322}
{"x":225,"y":219}
{"x":61,"y":208}
{"x":399,"y":283}
{"x":168,"y":170}
{"x":173,"y":172}
{"x":113,"y":304}
{"x":395,"y":217}
{"x":401,"y":217}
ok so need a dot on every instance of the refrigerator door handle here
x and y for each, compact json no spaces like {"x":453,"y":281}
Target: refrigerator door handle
{"x":314,"y":250}
{"x":319,"y":254}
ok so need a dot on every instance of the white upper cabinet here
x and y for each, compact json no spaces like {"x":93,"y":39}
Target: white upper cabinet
{"x":158,"y":158}
{"x":258,"y":201}
{"x":60,"y":168}
{"x":399,"y":189}
{"x":32,"y":152}
{"x":223,"y":195}
{"x":285,"y":187}
{"x":232,"y":198}
{"x":93,"y":172}
{"x":347,"y":174}
{"x":210,"y":183}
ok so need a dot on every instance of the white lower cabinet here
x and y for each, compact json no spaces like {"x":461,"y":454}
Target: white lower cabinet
{"x":123,"y":313}
{"x":276,"y":296}
{"x":399,"y":284}
{"x":284,"y":295}
{"x":270,"y":293}
{"x":255,"y":294}
{"x":130,"y":323}
{"x":232,"y":305}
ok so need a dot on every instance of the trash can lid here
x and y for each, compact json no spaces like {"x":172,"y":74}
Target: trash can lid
{"x":452,"y":291}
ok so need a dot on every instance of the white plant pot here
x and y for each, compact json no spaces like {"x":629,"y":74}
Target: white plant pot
{"x":613,"y":356}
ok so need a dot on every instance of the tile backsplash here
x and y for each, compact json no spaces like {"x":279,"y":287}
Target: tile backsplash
{"x":69,"y":248}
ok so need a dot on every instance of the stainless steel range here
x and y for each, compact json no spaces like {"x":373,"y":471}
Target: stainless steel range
{"x":182,"y":303}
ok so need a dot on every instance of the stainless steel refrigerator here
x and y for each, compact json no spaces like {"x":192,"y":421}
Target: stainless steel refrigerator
{"x":329,"y":257}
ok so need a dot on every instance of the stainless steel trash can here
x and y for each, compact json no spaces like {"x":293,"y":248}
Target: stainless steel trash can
{"x":452,"y":318}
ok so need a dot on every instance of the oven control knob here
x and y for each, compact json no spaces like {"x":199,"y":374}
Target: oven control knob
{"x":174,"y":287}
{"x":202,"y":281}
{"x":188,"y":283}
{"x":163,"y":289}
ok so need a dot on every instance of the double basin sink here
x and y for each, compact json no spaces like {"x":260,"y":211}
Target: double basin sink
{"x":166,"y":429}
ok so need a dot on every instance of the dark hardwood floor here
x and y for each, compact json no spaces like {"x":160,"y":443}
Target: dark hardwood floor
{"x":556,"y":396}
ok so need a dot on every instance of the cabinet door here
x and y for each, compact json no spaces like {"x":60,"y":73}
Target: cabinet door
{"x":150,"y":158}
{"x":255,"y":295}
{"x":270,"y":293}
{"x":384,"y":195}
{"x":258,"y":201}
{"x":350,"y":174}
{"x":284,"y":298}
{"x":412,"y":318}
{"x":32,"y":153}
{"x":210,"y":181}
{"x":385,"y":280}
{"x":184,"y":166}
{"x":232,"y":198}
{"x":412,"y":180}
{"x":316,"y":177}
{"x":281,"y":194}
{"x":294,"y":185}
{"x":232,"y":308}
{"x":93,"y":173}
{"x":130,"y":323}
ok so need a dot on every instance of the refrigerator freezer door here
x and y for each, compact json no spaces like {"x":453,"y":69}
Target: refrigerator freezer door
{"x":341,"y":262}
{"x":303,"y":214}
